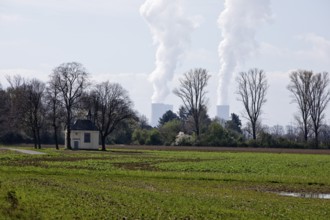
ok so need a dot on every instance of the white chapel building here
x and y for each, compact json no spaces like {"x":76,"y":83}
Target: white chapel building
{"x":84,"y":135}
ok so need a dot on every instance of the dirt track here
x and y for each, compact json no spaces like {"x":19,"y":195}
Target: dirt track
{"x":222,"y":149}
{"x":32,"y":152}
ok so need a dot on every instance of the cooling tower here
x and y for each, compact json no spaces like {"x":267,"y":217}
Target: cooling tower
{"x":223,"y":112}
{"x":157,"y":111}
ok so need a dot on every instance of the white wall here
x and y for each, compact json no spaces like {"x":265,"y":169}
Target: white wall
{"x":79,"y":136}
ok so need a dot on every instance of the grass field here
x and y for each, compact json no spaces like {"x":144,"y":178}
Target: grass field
{"x":148,"y":184}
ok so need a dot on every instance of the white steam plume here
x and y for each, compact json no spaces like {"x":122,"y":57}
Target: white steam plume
{"x":238,"y":22}
{"x":171,"y":30}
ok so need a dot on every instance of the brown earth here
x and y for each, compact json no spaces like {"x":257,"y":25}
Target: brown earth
{"x":207,"y":149}
{"x":221,"y":149}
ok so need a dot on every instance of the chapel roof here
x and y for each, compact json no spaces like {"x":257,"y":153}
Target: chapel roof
{"x":84,"y":124}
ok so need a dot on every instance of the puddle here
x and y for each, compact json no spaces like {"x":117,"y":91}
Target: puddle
{"x":306,"y":195}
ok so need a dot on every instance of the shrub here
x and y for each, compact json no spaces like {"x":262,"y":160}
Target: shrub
{"x":154,"y":137}
{"x":169,"y":131}
{"x":139,"y":136}
{"x":183,"y":139}
{"x":216,"y":135}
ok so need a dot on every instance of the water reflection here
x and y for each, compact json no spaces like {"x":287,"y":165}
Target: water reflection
{"x":306,"y":195}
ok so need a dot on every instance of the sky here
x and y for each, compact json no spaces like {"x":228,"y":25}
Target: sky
{"x":116,"y":40}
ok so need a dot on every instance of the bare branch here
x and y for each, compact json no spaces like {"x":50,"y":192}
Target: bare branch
{"x":192,"y":92}
{"x":71,"y":80}
{"x":300,"y":87}
{"x":319,"y":97}
{"x":111,"y":105}
{"x":252,"y":90}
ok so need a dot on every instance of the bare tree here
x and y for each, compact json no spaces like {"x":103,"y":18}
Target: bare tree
{"x":15,"y":81}
{"x":34,"y":108}
{"x":71,"y":81}
{"x":26,"y":107}
{"x":17,"y":102}
{"x":318,"y":101}
{"x":192,"y":92}
{"x":54,"y":108}
{"x":292,"y":133}
{"x":300,"y":87}
{"x":4,"y":110}
{"x":248,"y":130}
{"x":143,"y":122}
{"x":252,"y":90}
{"x":111,"y":106}
{"x":277,"y":131}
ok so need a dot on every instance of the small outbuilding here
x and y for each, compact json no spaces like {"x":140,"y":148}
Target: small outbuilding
{"x":84,"y":135}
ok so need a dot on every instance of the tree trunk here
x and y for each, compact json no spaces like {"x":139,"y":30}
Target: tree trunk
{"x":68,"y":131}
{"x":305,"y":132}
{"x":54,"y":125}
{"x":103,"y":142}
{"x":38,"y":138}
{"x":34,"y":138}
{"x":254,"y":132}
{"x":316,"y":137}
{"x":197,"y":129}
{"x":68,"y":139}
{"x":316,"y":140}
{"x":55,"y":137}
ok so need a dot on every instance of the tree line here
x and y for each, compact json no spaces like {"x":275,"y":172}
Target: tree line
{"x":35,"y":112}
{"x":309,"y":91}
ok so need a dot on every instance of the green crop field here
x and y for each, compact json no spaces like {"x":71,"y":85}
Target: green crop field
{"x":136,"y":184}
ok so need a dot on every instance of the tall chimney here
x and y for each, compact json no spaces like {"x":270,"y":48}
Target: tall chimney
{"x":157,"y":111}
{"x":223,"y":112}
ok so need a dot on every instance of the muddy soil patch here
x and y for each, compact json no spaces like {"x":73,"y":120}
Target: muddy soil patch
{"x":222,"y":149}
{"x":117,"y":152}
{"x":38,"y":162}
{"x":315,"y":188}
{"x":136,"y":166}
{"x":150,"y":166}
{"x":3,"y":151}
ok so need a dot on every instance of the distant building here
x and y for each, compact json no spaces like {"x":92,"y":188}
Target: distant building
{"x":223,"y":112}
{"x":84,"y":135}
{"x":157,"y":111}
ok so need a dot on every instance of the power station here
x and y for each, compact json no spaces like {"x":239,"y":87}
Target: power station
{"x":157,"y":111}
{"x":223,"y":112}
